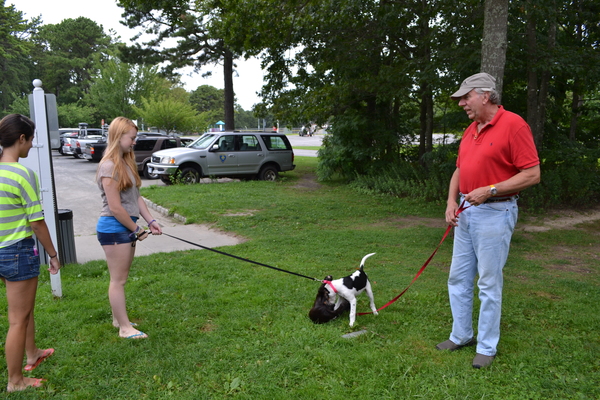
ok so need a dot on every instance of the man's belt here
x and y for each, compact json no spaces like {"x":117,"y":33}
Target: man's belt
{"x":497,"y":199}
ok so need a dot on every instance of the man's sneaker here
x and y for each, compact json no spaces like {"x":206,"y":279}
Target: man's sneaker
{"x":450,"y":345}
{"x":481,"y":361}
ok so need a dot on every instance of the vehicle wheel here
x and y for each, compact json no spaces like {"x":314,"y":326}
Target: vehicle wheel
{"x":188,"y":175}
{"x":147,"y":174}
{"x":268,"y":173}
{"x":166,"y":179}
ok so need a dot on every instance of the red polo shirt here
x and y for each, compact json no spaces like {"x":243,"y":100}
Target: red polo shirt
{"x":502,"y":148}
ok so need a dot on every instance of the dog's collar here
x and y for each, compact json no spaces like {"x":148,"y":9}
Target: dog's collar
{"x":331,"y":285}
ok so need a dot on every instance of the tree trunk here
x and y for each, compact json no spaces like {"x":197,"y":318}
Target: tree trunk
{"x":229,"y":94}
{"x":532,"y":81}
{"x":575,"y":108}
{"x":543,"y":92}
{"x":426,"y":106}
{"x":426,"y":119}
{"x":577,"y":97}
{"x":538,"y":81}
{"x":494,"y":43}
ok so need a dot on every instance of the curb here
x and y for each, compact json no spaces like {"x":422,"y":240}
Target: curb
{"x":164,"y":211}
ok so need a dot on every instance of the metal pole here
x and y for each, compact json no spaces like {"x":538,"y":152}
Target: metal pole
{"x":40,"y":160}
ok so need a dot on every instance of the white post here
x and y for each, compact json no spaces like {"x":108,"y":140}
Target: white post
{"x":40,"y":161}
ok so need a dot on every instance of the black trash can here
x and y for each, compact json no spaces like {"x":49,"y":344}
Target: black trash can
{"x":66,"y":237}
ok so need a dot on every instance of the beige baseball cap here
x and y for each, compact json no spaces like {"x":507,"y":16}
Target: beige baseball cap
{"x":481,"y":80}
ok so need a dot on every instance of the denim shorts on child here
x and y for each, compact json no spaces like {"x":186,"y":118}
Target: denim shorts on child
{"x":19,"y":262}
{"x":109,"y":231}
{"x":113,"y":238}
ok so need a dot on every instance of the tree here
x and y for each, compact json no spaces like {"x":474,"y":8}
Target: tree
{"x":169,"y":114}
{"x":208,"y":98}
{"x":70,"y":115}
{"x":15,"y":48}
{"x":244,"y":119}
{"x":196,"y":27}
{"x":118,"y":87}
{"x":553,"y":55}
{"x":68,"y":58}
{"x":494,"y":43}
{"x":370,"y":68}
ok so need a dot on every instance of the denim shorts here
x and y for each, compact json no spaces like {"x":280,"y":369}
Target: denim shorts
{"x":113,"y":238}
{"x":19,"y":262}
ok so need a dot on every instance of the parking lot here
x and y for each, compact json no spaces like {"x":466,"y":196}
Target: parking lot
{"x":76,"y":190}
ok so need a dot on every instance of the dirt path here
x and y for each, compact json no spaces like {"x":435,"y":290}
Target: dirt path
{"x":558,"y":219}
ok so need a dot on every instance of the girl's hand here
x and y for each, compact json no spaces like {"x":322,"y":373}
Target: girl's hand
{"x":54,"y":265}
{"x":155,"y":228}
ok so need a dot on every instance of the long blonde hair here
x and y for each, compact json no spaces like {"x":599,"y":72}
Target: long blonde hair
{"x":118,"y":127}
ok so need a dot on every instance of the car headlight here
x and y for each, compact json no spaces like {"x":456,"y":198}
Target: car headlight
{"x":167,"y":160}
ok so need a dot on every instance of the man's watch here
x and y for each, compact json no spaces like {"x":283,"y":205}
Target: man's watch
{"x":493,"y":190}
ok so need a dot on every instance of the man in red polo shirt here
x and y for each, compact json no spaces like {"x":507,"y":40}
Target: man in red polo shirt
{"x":497,"y":159}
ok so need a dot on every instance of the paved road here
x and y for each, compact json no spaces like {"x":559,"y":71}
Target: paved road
{"x":76,"y":190}
{"x":311,"y":141}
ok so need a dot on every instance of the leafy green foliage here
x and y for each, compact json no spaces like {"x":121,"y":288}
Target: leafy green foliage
{"x":70,"y":115}
{"x":67,"y":61}
{"x":199,"y":39}
{"x":427,"y":180}
{"x":118,"y":87}
{"x":169,"y":115}
{"x":570,"y":177}
{"x":15,"y":48}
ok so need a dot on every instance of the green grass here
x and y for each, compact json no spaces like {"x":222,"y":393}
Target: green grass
{"x":220,"y":328}
{"x":307,"y":147}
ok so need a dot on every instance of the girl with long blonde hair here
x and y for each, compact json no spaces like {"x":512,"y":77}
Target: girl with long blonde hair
{"x":117,"y":228}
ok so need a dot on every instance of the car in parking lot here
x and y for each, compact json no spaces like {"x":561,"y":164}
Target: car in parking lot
{"x":225,"y":154}
{"x":146,"y":144}
{"x":65,"y":134}
{"x":74,"y":145}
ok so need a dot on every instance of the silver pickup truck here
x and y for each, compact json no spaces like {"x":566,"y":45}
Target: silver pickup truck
{"x":75,"y":146}
{"x":225,"y":154}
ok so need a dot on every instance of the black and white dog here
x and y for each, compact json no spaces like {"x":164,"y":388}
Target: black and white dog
{"x":327,"y":307}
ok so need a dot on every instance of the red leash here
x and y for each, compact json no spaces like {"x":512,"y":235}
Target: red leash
{"x":460,"y":209}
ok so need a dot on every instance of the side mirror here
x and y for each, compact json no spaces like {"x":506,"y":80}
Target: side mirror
{"x":215,"y":147}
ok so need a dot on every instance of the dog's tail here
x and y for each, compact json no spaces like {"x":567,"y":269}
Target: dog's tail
{"x":362,"y":263}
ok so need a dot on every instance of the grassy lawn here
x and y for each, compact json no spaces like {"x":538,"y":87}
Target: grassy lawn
{"x":307,"y":147}
{"x":220,"y":328}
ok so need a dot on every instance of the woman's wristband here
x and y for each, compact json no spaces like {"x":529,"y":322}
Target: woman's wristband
{"x":54,"y":256}
{"x":150,"y":223}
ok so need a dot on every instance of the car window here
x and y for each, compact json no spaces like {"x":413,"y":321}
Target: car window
{"x":203,"y":141}
{"x":169,"y":144}
{"x":145,"y":145}
{"x":186,"y":141}
{"x":274,"y":142}
{"x":249,"y":143}
{"x":226,"y":143}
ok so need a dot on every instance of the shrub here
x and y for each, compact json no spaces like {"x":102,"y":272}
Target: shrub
{"x":570,"y":178}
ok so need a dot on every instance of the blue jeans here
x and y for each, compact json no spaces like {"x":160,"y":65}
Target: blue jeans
{"x":481,"y":244}
{"x":19,"y":262}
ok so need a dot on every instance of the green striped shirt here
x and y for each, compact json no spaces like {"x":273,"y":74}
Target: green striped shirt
{"x":19,"y":202}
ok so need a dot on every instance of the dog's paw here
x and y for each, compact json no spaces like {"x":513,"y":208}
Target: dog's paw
{"x":375,"y":313}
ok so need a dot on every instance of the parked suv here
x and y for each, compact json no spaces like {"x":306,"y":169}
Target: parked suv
{"x":146,"y":144}
{"x":225,"y":154}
